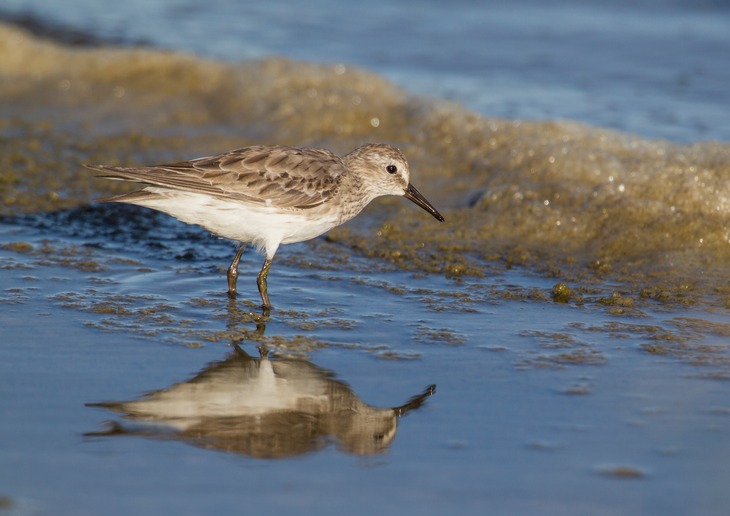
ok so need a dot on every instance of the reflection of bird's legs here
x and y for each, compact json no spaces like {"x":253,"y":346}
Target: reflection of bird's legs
{"x":261,"y":324}
{"x":263,"y":286}
{"x":233,"y":271}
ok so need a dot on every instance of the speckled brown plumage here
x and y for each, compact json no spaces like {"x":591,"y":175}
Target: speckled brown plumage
{"x":269,"y":195}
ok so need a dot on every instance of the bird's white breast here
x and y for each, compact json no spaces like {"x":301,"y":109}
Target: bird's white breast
{"x":264,"y":226}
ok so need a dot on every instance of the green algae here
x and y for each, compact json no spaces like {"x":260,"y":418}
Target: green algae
{"x":558,"y":350}
{"x":697,"y":325}
{"x":578,"y":204}
{"x":41,"y":166}
{"x":617,"y":299}
{"x":71,"y":256}
{"x":18,"y":247}
{"x":446,"y":336}
{"x":562,"y":293}
{"x":690,"y":340}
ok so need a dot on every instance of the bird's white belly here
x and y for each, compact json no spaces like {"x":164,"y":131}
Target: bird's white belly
{"x":263,"y":226}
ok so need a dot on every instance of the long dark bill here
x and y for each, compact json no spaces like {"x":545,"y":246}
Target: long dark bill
{"x":413,"y":194}
{"x":415,"y":402}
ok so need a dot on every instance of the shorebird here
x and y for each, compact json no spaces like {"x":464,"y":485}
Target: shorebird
{"x":267,"y":195}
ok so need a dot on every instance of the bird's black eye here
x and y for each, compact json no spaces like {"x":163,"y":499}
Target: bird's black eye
{"x":392,"y":169}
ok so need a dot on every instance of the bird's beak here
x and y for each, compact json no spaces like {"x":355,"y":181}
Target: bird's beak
{"x":415,"y":402}
{"x":413,"y":194}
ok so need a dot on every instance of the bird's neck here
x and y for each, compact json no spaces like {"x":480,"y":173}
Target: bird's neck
{"x":356,"y":191}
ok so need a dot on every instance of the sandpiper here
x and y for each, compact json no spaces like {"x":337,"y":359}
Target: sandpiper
{"x":267,"y":195}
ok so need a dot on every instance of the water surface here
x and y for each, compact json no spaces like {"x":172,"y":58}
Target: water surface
{"x":571,"y":312}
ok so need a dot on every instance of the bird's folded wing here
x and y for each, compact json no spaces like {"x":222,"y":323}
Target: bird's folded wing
{"x":276,"y":176}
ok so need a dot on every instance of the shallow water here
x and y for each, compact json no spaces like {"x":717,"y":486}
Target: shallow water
{"x":539,"y":406}
{"x":572,"y":311}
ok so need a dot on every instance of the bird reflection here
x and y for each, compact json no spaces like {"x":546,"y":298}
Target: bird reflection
{"x":263,"y":407}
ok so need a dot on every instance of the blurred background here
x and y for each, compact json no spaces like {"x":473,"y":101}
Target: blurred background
{"x":652,"y":67}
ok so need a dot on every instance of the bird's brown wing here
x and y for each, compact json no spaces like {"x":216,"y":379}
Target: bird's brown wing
{"x":277,"y":176}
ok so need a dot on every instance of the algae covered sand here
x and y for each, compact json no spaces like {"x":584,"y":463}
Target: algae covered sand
{"x":579,"y":203}
{"x":571,"y":311}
